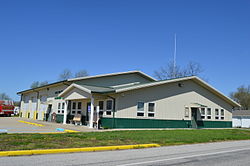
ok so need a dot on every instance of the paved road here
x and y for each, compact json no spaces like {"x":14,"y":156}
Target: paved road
{"x":13,"y":125}
{"x":221,"y":154}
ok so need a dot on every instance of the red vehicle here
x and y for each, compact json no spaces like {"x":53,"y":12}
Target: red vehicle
{"x":6,"y":107}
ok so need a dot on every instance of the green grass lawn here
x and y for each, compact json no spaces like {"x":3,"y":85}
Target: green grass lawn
{"x":88,"y":139}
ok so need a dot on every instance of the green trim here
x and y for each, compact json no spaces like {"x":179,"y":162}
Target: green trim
{"x":214,"y":124}
{"x":59,"y":118}
{"x":159,"y":123}
{"x":144,"y":123}
{"x":200,"y":105}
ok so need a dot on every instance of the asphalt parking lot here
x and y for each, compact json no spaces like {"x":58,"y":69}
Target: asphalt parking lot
{"x":24,"y":125}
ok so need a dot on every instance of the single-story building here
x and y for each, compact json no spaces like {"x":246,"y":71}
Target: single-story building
{"x":241,"y":118}
{"x":130,"y":100}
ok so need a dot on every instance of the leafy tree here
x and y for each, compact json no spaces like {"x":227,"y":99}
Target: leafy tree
{"x":66,"y":74}
{"x":81,"y":73}
{"x":4,"y":96}
{"x":174,"y":71}
{"x":242,"y":96}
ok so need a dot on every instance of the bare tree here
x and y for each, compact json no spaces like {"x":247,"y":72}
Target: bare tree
{"x":174,"y":71}
{"x":168,"y":72}
{"x":66,"y":74}
{"x":43,"y":83}
{"x":242,"y":96}
{"x":35,"y":84}
{"x":4,"y":96}
{"x":192,"y":69}
{"x":81,"y":73}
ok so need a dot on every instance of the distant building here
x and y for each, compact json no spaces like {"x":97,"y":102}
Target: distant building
{"x":241,"y":118}
{"x":130,"y":100}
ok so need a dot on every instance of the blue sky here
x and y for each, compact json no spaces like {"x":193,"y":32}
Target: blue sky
{"x":38,"y":39}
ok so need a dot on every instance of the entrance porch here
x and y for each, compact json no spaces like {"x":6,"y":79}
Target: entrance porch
{"x":83,"y":106}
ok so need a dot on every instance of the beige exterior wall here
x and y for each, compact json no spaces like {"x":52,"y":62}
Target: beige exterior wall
{"x":34,"y":102}
{"x":48,"y":97}
{"x":170,"y":101}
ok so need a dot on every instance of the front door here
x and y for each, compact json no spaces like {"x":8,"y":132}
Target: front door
{"x":48,"y":114}
{"x":194,"y":117}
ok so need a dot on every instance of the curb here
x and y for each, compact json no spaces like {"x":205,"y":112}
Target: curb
{"x":71,"y":150}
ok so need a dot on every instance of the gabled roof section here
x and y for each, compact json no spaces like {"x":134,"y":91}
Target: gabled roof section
{"x":145,"y":85}
{"x":74,"y":86}
{"x":194,"y":78}
{"x":114,"y":74}
{"x":70,"y":81}
{"x":97,"y":89}
{"x":44,"y":86}
{"x":87,"y":88}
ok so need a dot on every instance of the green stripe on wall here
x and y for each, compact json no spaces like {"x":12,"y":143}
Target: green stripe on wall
{"x":157,"y":123}
{"x":144,"y":123}
{"x":214,"y":124}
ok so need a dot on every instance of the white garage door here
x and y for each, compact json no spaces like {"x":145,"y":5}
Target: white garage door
{"x":246,"y":122}
{"x":236,"y":122}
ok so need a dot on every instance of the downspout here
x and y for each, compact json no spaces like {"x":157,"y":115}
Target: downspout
{"x":20,"y":109}
{"x":113,"y":118}
{"x":37,"y":96}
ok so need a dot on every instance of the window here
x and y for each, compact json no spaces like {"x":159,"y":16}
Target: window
{"x":101,"y":105}
{"x":186,"y":112}
{"x":33,"y":99}
{"x":74,"y":105}
{"x":60,"y":107}
{"x":43,"y":99}
{"x":78,"y":112}
{"x":209,"y":113}
{"x":202,"y":113}
{"x":79,"y":105}
{"x":57,"y":92}
{"x":109,"y":107}
{"x":222,"y":114}
{"x":73,"y":108}
{"x":26,"y":99}
{"x":216,"y":113}
{"x":108,"y":112}
{"x":151,"y":109}
{"x":100,"y":113}
{"x":140,"y":108}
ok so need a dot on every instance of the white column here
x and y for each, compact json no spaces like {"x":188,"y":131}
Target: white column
{"x":91,"y":113}
{"x":65,"y":112}
{"x":97,"y":115}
